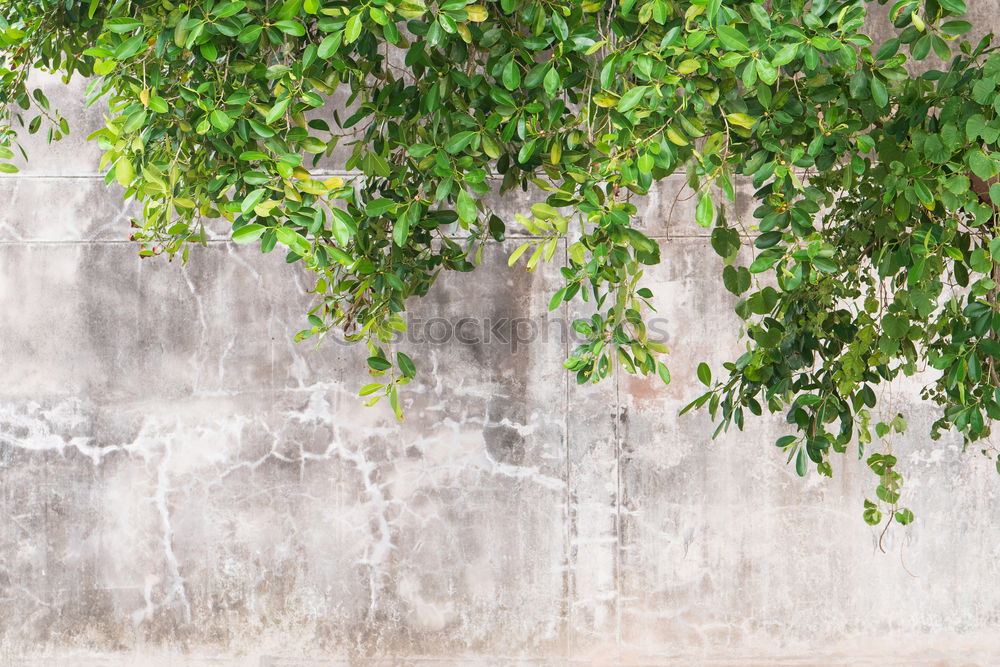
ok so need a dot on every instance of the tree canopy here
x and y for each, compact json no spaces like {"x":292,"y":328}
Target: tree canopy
{"x":871,"y":252}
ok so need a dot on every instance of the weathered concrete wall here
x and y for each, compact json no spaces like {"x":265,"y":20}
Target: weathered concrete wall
{"x":180,"y":484}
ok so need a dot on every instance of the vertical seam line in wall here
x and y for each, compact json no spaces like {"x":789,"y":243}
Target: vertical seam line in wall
{"x":618,"y":512}
{"x":569,"y":565}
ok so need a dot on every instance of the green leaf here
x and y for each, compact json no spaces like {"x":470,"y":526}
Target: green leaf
{"x":704,"y":213}
{"x":278,"y":110}
{"x":879,"y":94}
{"x":370,"y":389}
{"x":379,"y":364}
{"x":401,"y":230}
{"x":704,"y":374}
{"x":551,"y":82}
{"x":329,"y":45}
{"x":767,"y":72}
{"x":130,"y":47}
{"x":252,"y":199}
{"x":981,"y":165}
{"x":888,"y":49}
{"x":801,"y":462}
{"x":824,"y":43}
{"x":420,"y":150}
{"x":466,"y":207}
{"x":220,"y":120}
{"x":975,"y":126}
{"x":785,"y":55}
{"x":289,"y":9}
{"x":124,"y":172}
{"x":732,"y":38}
{"x":895,"y":326}
{"x":631,"y":98}
{"x":343,"y":226}
{"x":995,"y":251}
{"x":394,"y":282}
{"x":557,"y":299}
{"x":935,"y":150}
{"x":293,"y":240}
{"x":527,"y":152}
{"x":291,"y":28}
{"x":824,"y":265}
{"x":406,"y":365}
{"x":688,"y":66}
{"x":261,"y":129}
{"x":158,"y":104}
{"x":645,"y":163}
{"x":956,"y":27}
{"x":378,"y":207}
{"x":134,"y":121}
{"x":394,"y":402}
{"x":520,"y":250}
{"x":764,"y":261}
{"x":248,"y":233}
{"x":872,"y":515}
{"x":352,"y":30}
{"x":760,"y":15}
{"x":941,"y":48}
{"x":456,"y":143}
{"x":544,"y":211}
{"x":227,"y":9}
{"x":250,"y":34}
{"x":511,"y":75}
{"x":122,"y":25}
{"x":922,"y":47}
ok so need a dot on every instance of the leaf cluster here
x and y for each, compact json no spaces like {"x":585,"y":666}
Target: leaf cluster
{"x":365,"y":139}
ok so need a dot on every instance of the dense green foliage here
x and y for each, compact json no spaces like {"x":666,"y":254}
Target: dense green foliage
{"x":873,"y":236}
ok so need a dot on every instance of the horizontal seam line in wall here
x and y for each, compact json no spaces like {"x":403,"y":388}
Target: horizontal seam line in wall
{"x":52,"y":177}
{"x":319,"y":172}
{"x":23,"y":242}
{"x":100,"y":177}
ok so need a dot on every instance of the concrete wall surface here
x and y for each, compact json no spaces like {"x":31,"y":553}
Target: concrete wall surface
{"x":181,"y":484}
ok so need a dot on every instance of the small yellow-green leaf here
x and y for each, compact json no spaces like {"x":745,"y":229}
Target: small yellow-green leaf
{"x":124,"y":172}
{"x":741,"y":119}
{"x":476,"y":13}
{"x":516,"y":255}
{"x":353,"y":28}
{"x":604,"y":100}
{"x":705,"y":212}
{"x":675,"y":137}
{"x":688,"y":66}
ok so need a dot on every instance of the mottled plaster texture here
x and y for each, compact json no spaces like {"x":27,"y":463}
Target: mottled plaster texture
{"x":180,"y":484}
